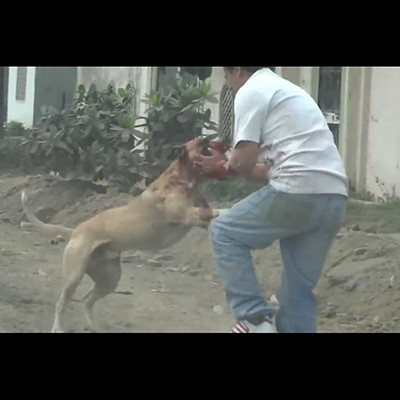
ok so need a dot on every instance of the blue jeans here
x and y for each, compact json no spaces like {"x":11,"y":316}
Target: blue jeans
{"x":305,"y":225}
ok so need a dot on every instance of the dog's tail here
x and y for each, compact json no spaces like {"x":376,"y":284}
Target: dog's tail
{"x":48,"y":229}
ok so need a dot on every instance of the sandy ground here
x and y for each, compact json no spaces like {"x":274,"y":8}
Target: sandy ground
{"x":175,"y":290}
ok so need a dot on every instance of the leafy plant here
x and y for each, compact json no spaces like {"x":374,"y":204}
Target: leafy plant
{"x":15,"y":128}
{"x":93,"y":139}
{"x":100,"y":138}
{"x":177,"y":117}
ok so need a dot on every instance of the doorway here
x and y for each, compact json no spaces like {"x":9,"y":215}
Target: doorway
{"x":329,"y":94}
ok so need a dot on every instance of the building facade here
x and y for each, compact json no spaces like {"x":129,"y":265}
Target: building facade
{"x":359,"y":103}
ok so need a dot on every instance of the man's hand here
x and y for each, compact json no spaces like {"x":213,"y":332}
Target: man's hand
{"x":208,"y":164}
{"x":213,"y":166}
{"x":219,"y":145}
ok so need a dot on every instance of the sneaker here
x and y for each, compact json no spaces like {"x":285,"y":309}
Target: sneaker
{"x":266,"y":326}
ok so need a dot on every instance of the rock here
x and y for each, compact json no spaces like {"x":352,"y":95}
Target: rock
{"x":130,"y":258}
{"x":351,"y":285}
{"x":45,"y":213}
{"x":273,"y":300}
{"x":153,"y":263}
{"x":363,"y":324}
{"x":329,"y":311}
{"x":359,"y":251}
{"x":174,"y":269}
{"x":371,"y":229}
{"x":184,"y":269}
{"x":218,"y":309}
{"x":163,"y":257}
{"x":355,"y":227}
{"x":339,"y":236}
{"x":337,"y":279}
{"x":7,"y":252}
{"x":349,"y":269}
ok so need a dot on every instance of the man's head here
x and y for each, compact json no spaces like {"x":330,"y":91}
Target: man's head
{"x":236,"y":77}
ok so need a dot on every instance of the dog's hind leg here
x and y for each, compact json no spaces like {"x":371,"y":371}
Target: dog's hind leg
{"x":74,"y":266}
{"x":106,"y":274}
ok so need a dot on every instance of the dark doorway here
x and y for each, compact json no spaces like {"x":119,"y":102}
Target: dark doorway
{"x":166,"y":78}
{"x":54,"y":87}
{"x":329,"y":90}
{"x":3,"y":98}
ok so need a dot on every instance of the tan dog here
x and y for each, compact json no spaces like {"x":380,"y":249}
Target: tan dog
{"x":156,"y":219}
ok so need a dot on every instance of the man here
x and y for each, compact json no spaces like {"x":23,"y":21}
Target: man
{"x":279,"y":125}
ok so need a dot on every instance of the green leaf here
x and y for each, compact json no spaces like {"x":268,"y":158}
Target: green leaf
{"x":140,"y":134}
{"x":154,"y":98}
{"x":122,"y":92}
{"x":211,"y":99}
{"x":64,"y":146}
{"x":117,"y":128}
{"x":87,"y":130}
{"x":185,"y":117}
{"x":205,"y":88}
{"x":128,"y":122}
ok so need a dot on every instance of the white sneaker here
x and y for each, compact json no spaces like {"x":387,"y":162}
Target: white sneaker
{"x":267,"y":326}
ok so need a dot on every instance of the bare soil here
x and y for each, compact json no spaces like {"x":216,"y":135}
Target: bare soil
{"x":177,"y":289}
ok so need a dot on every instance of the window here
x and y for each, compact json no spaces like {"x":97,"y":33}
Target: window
{"x":22,"y":73}
{"x":226,"y":119}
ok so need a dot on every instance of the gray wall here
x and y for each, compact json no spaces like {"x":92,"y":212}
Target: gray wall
{"x":54,"y":86}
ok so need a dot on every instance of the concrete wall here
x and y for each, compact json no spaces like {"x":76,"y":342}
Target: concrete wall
{"x":383,"y":156}
{"x":21,"y":111}
{"x":354,"y":126}
{"x":142,"y":77}
{"x":305,"y":77}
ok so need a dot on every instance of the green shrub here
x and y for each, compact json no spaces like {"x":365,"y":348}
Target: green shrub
{"x":98,"y":138}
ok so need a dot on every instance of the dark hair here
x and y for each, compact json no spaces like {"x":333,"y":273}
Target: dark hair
{"x":252,"y":69}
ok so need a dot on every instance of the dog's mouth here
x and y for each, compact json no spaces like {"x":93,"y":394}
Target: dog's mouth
{"x":204,"y":147}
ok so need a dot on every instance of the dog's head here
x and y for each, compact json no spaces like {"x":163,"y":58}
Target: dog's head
{"x":186,"y":152}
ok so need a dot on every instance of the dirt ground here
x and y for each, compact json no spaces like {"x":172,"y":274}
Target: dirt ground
{"x":177,"y":289}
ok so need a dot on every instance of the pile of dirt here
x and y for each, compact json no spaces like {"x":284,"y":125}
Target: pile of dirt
{"x":56,"y":200}
{"x":177,"y":289}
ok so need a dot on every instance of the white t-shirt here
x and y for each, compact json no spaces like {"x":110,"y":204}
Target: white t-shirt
{"x":293,"y":134}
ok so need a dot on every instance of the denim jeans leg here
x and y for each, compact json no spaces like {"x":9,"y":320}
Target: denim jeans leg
{"x":233,"y":235}
{"x":303,"y":257}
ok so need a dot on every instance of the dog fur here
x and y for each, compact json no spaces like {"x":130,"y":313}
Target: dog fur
{"x":156,"y":219}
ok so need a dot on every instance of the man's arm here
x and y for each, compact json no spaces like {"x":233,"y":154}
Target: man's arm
{"x":243,"y":162}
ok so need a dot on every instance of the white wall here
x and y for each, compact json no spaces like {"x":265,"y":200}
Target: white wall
{"x":142,"y":78}
{"x":383,"y":154}
{"x":21,"y":111}
{"x":217,"y":81}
